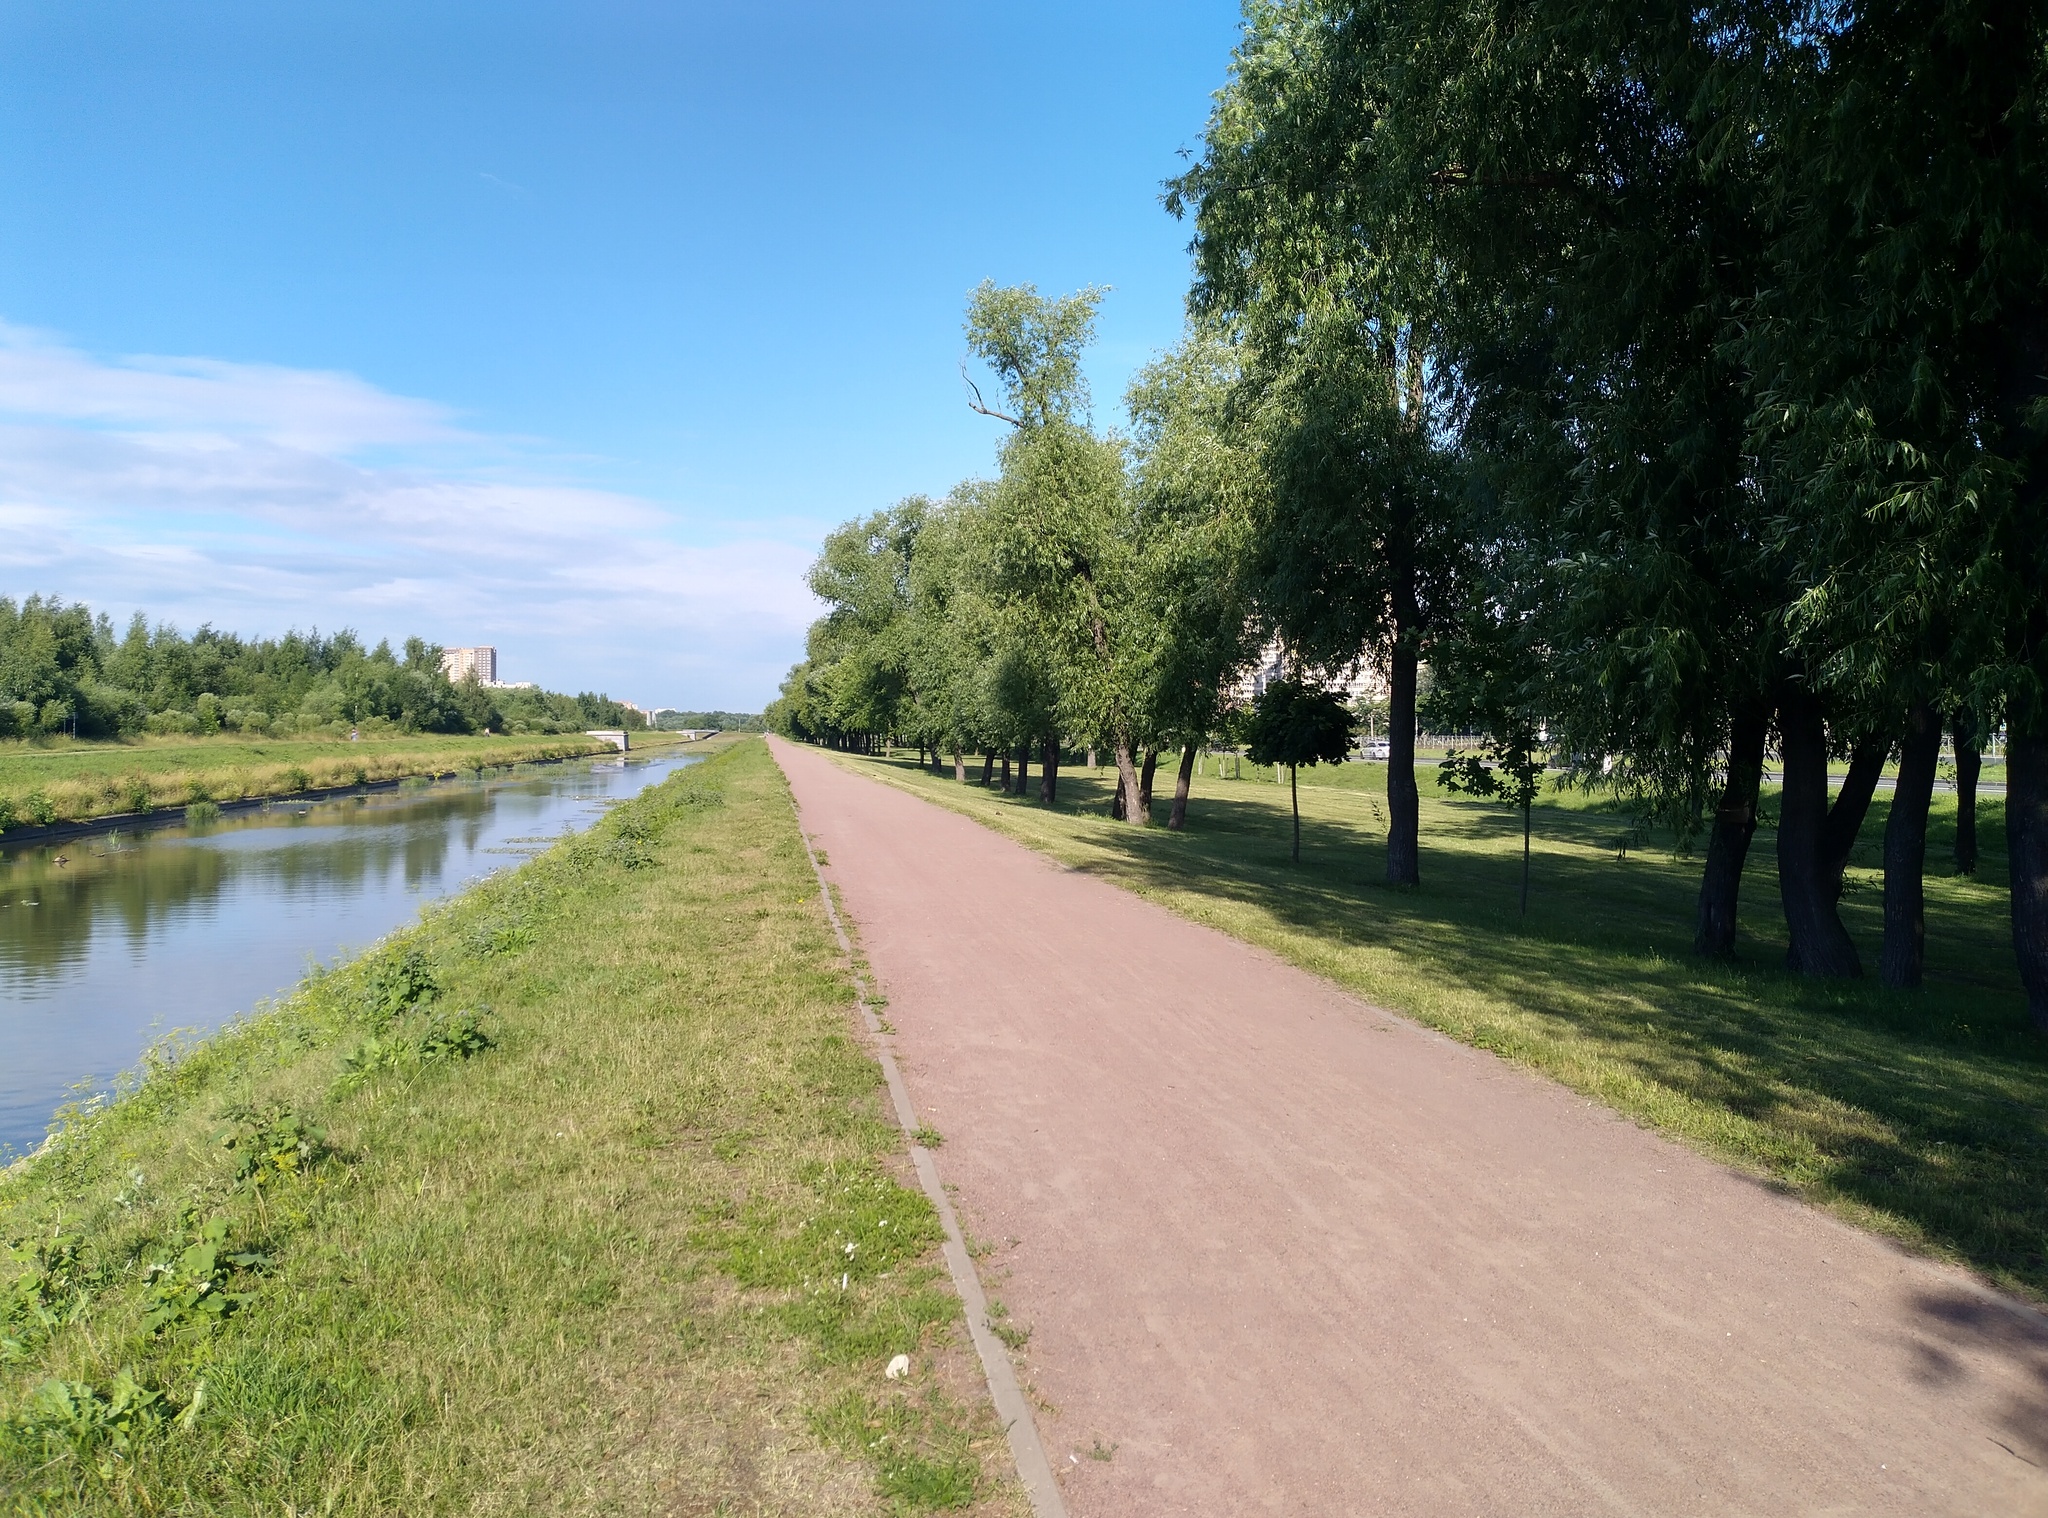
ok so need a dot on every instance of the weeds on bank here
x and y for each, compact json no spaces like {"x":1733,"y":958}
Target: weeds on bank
{"x":578,"y":1195}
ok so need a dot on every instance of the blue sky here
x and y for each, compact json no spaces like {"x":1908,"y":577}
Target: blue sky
{"x":568,"y":327}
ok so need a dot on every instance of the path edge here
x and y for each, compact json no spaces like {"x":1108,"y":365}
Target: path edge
{"x":1026,"y":1449}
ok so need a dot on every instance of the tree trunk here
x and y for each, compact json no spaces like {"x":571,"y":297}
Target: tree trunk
{"x":1178,"y":818}
{"x":1526,"y":805}
{"x":1404,"y":801}
{"x":1852,"y":805}
{"x":1006,"y":772}
{"x":959,"y":766}
{"x":2026,"y":847}
{"x":1808,"y":888}
{"x":1294,"y":800}
{"x":1127,"y":783}
{"x":1049,"y":771}
{"x":1734,"y":826}
{"x":1024,"y":768}
{"x":1905,"y":852}
{"x":1091,"y":759}
{"x":1145,"y":774}
{"x":1969,"y":763}
{"x":988,"y":765}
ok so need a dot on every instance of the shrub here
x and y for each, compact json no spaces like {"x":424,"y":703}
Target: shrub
{"x":41,"y":810}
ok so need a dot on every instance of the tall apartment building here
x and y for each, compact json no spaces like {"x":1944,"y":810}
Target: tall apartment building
{"x":1361,"y":681}
{"x":463,"y":663}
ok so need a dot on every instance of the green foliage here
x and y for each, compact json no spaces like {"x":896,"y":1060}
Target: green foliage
{"x":49,"y":1286}
{"x":724,"y":722}
{"x":272,"y":1143}
{"x":1505,"y":772}
{"x":1296,"y":723}
{"x":61,"y":666}
{"x":66,"y":1429}
{"x":397,"y":983}
{"x":193,"y":1292}
{"x":439,"y":1038}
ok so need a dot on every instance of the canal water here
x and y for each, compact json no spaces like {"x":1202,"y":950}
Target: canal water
{"x":109,"y":941}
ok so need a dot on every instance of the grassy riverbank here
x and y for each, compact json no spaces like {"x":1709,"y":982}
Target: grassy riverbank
{"x":578,"y":1198}
{"x":1922,"y":1115}
{"x":63,"y":781}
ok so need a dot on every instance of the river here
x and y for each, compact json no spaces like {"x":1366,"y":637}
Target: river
{"x":109,"y":941}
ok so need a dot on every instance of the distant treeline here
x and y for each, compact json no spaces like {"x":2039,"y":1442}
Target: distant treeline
{"x":63,"y":670}
{"x":725,"y":722}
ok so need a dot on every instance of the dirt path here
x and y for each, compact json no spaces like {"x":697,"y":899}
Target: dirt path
{"x":1283,"y":1253}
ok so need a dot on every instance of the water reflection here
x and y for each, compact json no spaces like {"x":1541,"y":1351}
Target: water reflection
{"x":107,"y":940}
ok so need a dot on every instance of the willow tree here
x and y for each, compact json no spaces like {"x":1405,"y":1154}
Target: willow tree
{"x":1300,"y":245}
{"x":1901,"y":337}
{"x":1058,"y":552}
{"x":861,"y":648}
{"x":1196,"y":491}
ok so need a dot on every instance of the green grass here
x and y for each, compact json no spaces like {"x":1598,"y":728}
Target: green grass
{"x":577,"y":1198}
{"x":1923,"y":1115}
{"x":58,"y":780}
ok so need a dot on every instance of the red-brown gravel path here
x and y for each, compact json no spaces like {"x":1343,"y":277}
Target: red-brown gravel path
{"x":1285,"y":1253}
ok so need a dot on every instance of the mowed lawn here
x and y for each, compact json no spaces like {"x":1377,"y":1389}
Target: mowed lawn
{"x":578,"y":1198}
{"x":1923,"y":1115}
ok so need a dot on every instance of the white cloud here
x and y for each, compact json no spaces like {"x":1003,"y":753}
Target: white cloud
{"x":261,"y":497}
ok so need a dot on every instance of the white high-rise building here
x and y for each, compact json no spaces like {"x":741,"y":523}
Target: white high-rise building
{"x":480,"y":664}
{"x":1362,"y":681}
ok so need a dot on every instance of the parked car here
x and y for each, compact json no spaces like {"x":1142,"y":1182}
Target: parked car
{"x":1376,"y":748}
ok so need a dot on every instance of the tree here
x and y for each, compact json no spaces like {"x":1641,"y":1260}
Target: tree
{"x":1900,"y":337}
{"x":1295,"y":724}
{"x":1057,"y":553}
{"x":862,"y":644}
{"x":1510,"y":770}
{"x":1195,"y":494}
{"x":1298,"y":246}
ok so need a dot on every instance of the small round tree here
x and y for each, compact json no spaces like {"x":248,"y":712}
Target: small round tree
{"x":1296,"y":724}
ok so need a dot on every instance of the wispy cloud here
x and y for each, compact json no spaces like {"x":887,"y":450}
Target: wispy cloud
{"x":259,"y":496}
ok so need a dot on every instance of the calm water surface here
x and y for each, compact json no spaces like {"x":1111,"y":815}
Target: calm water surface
{"x":107,"y":942}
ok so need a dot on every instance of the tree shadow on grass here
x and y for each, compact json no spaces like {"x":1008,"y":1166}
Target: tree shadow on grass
{"x":1925,"y":1112}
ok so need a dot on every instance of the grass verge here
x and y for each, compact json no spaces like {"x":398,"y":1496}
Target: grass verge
{"x":577,"y":1198}
{"x":1922,"y":1115}
{"x":59,"y":781}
